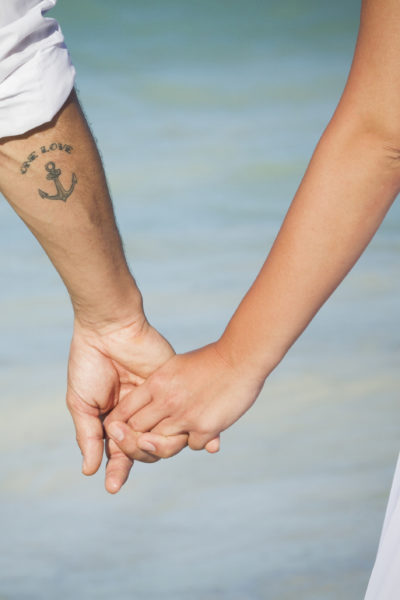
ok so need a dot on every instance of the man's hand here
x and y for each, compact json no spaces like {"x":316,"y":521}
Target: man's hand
{"x":113,"y":347}
{"x":104,"y":367}
{"x":196,"y":394}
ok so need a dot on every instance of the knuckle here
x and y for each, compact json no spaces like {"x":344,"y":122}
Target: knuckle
{"x":167,"y":452}
{"x":133,"y":424}
{"x":202,"y":430}
{"x":154,"y":459}
{"x":163,"y":453}
{"x":157,"y":383}
{"x":171,"y":403}
{"x":146,"y":458}
{"x":125,"y":454}
{"x":203,"y":426}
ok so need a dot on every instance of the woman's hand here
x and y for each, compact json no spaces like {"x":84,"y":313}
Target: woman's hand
{"x":197,"y":394}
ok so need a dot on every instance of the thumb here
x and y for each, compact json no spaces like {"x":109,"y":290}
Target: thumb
{"x":89,"y":435}
{"x":213,"y":445}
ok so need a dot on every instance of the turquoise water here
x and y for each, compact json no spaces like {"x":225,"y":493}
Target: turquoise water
{"x":206,"y":114}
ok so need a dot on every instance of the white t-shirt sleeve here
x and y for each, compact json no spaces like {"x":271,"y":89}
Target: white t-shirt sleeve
{"x":36,"y":73}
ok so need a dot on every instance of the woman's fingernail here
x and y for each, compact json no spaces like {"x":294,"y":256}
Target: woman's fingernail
{"x":148,"y":446}
{"x":116,"y":432}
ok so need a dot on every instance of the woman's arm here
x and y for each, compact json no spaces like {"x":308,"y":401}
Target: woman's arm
{"x":351,"y":181}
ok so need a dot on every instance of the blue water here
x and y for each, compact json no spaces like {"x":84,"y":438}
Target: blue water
{"x":206,"y":114}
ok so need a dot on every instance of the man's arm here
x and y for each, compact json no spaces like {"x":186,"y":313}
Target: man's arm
{"x":53,"y":178}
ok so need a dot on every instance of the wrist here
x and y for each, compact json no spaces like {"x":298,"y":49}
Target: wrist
{"x":245,"y":358}
{"x":117,"y":307}
{"x":133,"y":344}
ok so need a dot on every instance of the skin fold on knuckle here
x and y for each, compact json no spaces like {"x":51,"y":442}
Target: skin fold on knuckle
{"x":203,"y":427}
{"x":141,"y":455}
{"x":171,"y":404}
{"x":86,"y":443}
{"x":157,"y":383}
{"x":175,"y":449}
{"x":168,"y":448}
{"x":134,"y":425}
{"x":133,"y":452}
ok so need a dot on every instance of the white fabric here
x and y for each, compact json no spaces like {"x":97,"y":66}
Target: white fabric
{"x":384,"y":583}
{"x":36,"y":74}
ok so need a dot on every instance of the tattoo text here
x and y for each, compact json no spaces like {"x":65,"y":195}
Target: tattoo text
{"x":43,"y":150}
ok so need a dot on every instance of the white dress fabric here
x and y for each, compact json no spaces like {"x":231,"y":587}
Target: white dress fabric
{"x":384,"y":583}
{"x":36,"y":74}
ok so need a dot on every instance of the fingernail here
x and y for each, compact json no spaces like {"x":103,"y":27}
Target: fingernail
{"x":148,"y":446}
{"x":116,"y":432}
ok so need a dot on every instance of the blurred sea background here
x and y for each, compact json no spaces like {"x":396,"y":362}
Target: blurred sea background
{"x":206,"y":114}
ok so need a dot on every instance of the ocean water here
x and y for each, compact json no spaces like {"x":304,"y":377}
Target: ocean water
{"x":206,"y":114}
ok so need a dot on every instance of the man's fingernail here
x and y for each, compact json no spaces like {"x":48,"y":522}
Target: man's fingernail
{"x":116,"y":432}
{"x":148,"y":446}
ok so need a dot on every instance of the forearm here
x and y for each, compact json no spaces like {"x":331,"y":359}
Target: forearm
{"x":343,"y":198}
{"x":350,"y":184}
{"x":77,"y":231}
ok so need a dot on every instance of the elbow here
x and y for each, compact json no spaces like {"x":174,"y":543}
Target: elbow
{"x":368,"y":140}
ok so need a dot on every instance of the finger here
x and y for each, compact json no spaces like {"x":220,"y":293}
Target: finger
{"x":170,"y":428}
{"x":127,"y":406}
{"x":198,"y":441}
{"x":213,"y":446}
{"x":117,"y":469}
{"x":126,"y":440}
{"x":162,"y":446}
{"x":149,"y":416}
{"x":90,"y":437}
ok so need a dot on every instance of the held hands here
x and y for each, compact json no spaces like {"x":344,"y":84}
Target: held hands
{"x":197,"y":394}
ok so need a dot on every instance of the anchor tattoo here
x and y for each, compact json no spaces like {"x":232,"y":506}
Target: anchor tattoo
{"x":53,"y":175}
